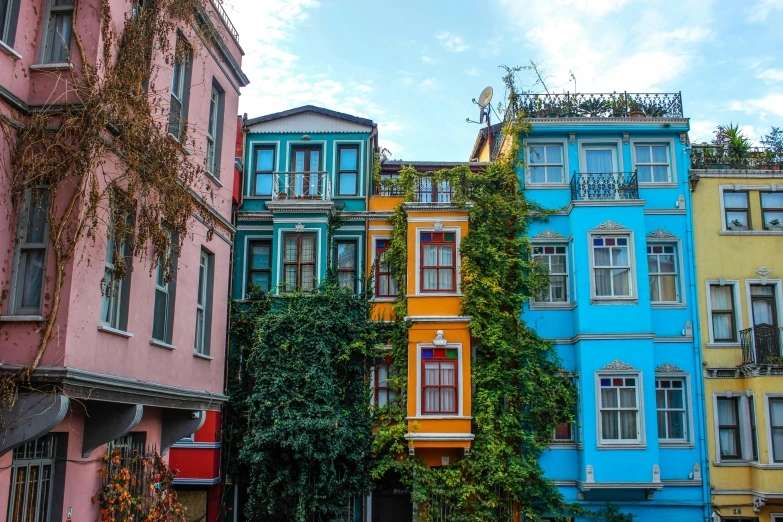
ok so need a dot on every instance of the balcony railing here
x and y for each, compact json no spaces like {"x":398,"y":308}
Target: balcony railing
{"x":302,"y":185}
{"x":218,"y":5}
{"x":599,"y":105}
{"x":604,"y":186}
{"x":762,"y":345}
{"x":711,"y":157}
{"x":428,"y":191}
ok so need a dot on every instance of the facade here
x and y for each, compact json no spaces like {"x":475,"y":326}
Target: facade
{"x":144,"y":364}
{"x":621,"y":309}
{"x":738,"y":210}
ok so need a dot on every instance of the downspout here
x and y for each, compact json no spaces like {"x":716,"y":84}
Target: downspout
{"x":697,"y":353}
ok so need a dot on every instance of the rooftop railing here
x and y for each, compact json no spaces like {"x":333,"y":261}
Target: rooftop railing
{"x":712,"y":157}
{"x":604,"y":186}
{"x":301,"y":185}
{"x":599,"y":105}
{"x":762,"y":345}
{"x":218,"y":5}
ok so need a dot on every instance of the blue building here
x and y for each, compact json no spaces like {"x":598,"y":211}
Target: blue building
{"x":621,"y":308}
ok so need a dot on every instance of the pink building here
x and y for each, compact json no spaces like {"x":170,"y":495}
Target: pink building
{"x":147,"y":363}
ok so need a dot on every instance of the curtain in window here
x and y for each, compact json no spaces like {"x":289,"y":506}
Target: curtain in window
{"x":609,"y":427}
{"x":33,"y":263}
{"x":727,"y":415}
{"x":721,"y":299}
{"x":776,"y":421}
{"x":431,"y":397}
{"x":763,"y":312}
{"x":447,"y":398}
{"x":620,"y":280}
{"x":628,"y":418}
{"x":430,"y":259}
{"x":599,"y":161}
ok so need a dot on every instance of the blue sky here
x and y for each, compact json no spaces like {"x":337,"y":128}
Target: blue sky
{"x":414,"y":66}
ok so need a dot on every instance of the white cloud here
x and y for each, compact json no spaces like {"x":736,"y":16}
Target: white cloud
{"x":772,"y":75}
{"x":389,"y":127}
{"x":429,"y":84}
{"x":772,"y":103}
{"x":428,"y":59}
{"x":702,"y":131}
{"x":762,"y":9}
{"x":452,"y":42}
{"x":492,"y":47}
{"x":473,"y":71}
{"x":394,"y":147}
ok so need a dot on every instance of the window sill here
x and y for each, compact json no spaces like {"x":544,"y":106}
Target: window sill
{"x":347,"y":196}
{"x":751,"y":232}
{"x":678,"y":306}
{"x":438,"y":416}
{"x":621,"y":446}
{"x":114,"y":331}
{"x":667,"y":184}
{"x":21,"y":318}
{"x":214,"y":179}
{"x":203,"y":356}
{"x":564,"y":446}
{"x":734,"y":463}
{"x":161,"y":344}
{"x":61,"y":66}
{"x":7,"y":49}
{"x":186,"y":150}
{"x":259,"y":197}
{"x":724,"y":345}
{"x":437,"y":294}
{"x":675,"y":445}
{"x":614,"y":301}
{"x":544,"y":306}
{"x":383,"y":299}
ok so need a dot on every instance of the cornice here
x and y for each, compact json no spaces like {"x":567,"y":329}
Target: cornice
{"x":285,"y":205}
{"x":737,"y":173}
{"x":670,"y":123}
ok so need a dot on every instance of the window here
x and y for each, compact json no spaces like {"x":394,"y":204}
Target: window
{"x":729,"y":428}
{"x":306,"y":177}
{"x":429,"y":192}
{"x":772,"y":210}
{"x":165,"y":296}
{"x":545,"y":163}
{"x":347,"y":170}
{"x":662,"y":268}
{"x":299,"y":262}
{"x":264,"y":168}
{"x":346,"y":264}
{"x":776,"y":427}
{"x":9,"y":13}
{"x":57,"y":35}
{"x":611,"y":266}
{"x":180,"y":88}
{"x":652,"y":163}
{"x":385,"y":284}
{"x":554,"y":258}
{"x":735,"y":204}
{"x":259,"y":268}
{"x":386,"y":190}
{"x":619,"y":409}
{"x":723,"y":320}
{"x":36,"y":476}
{"x":753,"y":436}
{"x":30,"y":267}
{"x":384,"y":369}
{"x":114,"y":307}
{"x":438,"y":265}
{"x":564,"y":433}
{"x":214,"y":131}
{"x":204,"y":303}
{"x":439,"y":380}
{"x":670,"y":402}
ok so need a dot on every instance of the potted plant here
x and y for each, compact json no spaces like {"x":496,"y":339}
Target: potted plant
{"x":736,"y":224}
{"x":594,"y":107}
{"x":737,"y":145}
{"x":652,"y":109}
{"x":774,"y":224}
{"x":635,"y":109}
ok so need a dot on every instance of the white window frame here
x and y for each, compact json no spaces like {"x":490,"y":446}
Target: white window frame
{"x":460,"y":383}
{"x":201,"y":305}
{"x":167,"y":290}
{"x":678,"y":259}
{"x":672,"y":165}
{"x":746,"y":433}
{"x":737,"y":188}
{"x":768,"y":425}
{"x":457,"y":242}
{"x":632,"y":297}
{"x":616,"y":145}
{"x":114,"y":298}
{"x":737,"y":311}
{"x":212,"y":127}
{"x":567,"y":274}
{"x":688,"y":441}
{"x":640,"y":441}
{"x":564,"y":183}
{"x":47,"y":35}
{"x":17,"y":279}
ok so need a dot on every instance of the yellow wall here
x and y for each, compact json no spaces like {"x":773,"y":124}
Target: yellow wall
{"x":736,"y":256}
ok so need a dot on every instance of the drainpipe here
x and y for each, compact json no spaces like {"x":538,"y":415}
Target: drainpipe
{"x":697,"y":352}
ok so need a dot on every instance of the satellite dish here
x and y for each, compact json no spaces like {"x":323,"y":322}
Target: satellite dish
{"x":485,"y":97}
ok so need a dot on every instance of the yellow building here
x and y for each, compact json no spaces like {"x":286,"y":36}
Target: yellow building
{"x":738,"y":232}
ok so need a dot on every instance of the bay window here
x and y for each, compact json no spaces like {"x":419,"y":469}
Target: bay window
{"x":662,"y":268}
{"x":611,"y":266}
{"x":438,"y":262}
{"x":554,"y":258}
{"x":619,"y":413}
{"x":670,"y":404}
{"x":439,"y":380}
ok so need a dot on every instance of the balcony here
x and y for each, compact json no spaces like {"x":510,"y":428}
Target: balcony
{"x":218,"y":5}
{"x":301,"y":186}
{"x":762,"y":345}
{"x":599,"y":105}
{"x":588,"y":186}
{"x":427,"y":191}
{"x":717,"y":158}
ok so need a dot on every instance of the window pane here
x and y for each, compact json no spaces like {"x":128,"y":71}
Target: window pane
{"x":345,"y":280}
{"x":777,"y":445}
{"x":315,"y":160}
{"x":538,"y":174}
{"x":447,"y":400}
{"x":348,"y":183}
{"x":265,"y":159}
{"x":737,"y":219}
{"x":628,"y":424}
{"x":668,"y":288}
{"x":61,"y":36}
{"x":290,"y":278}
{"x":652,"y":264}
{"x":299,"y":161}
{"x":727,"y":412}
{"x":554,"y":175}
{"x":348,"y":158}
{"x":776,"y":412}
{"x":431,"y":396}
{"x":609,"y":398}
{"x":644,"y":173}
{"x":290,"y":248}
{"x":445,"y":256}
{"x":627,"y":398}
{"x":660,"y":174}
{"x":643,"y":154}
{"x":667,"y":263}
{"x":675,"y":399}
{"x":620,"y":257}
{"x":558,"y":287}
{"x":159,"y":317}
{"x":772,"y":199}
{"x":728,"y":443}
{"x":661,"y":424}
{"x":308,"y":277}
{"x":602,"y":257}
{"x":36,"y":220}
{"x":774,"y":219}
{"x":260,"y":256}
{"x":563,"y":431}
{"x":676,"y":421}
{"x":308,"y":249}
{"x":260,"y":279}
{"x":603,"y":282}
{"x":721,"y":297}
{"x":431,"y":373}
{"x":430,"y":255}
{"x":346,"y":255}
{"x":554,"y":154}
{"x":620,"y":282}
{"x":32,"y":262}
{"x":660,"y":154}
{"x":444,"y":278}
{"x":735,"y":199}
{"x":430,"y":279}
{"x":609,"y":428}
{"x":537,"y":155}
{"x":599,"y":161}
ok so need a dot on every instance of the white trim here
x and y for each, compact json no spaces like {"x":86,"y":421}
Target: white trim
{"x":419,"y":383}
{"x":743,"y":419}
{"x":768,"y":426}
{"x":640,"y":427}
{"x":615,"y":144}
{"x":449,"y":219}
{"x":161,"y":344}
{"x":250,"y":168}
{"x":672,"y":182}
{"x":280,"y":253}
{"x":359,"y":161}
{"x":381,"y":228}
{"x":568,"y":303}
{"x":688,"y":441}
{"x":682,"y":289}
{"x":114,"y":331}
{"x":737,"y":311}
{"x":542,"y":141}
{"x":633,"y":297}
{"x":777,"y":294}
{"x":439,"y":436}
{"x":457,"y":243}
{"x":301,"y":220}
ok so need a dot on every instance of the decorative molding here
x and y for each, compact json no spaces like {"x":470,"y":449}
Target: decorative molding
{"x":571,"y":137}
{"x":697,"y":471}
{"x":618,"y":365}
{"x":299,"y":228}
{"x":626,"y":137}
{"x":668,"y":368}
{"x":656,"y":473}
{"x":683,"y":138}
{"x":661,"y":234}
{"x":439,"y":339}
{"x":610,"y":225}
{"x":763,"y":272}
{"x":590,"y":474}
{"x":549,"y":234}
{"x":438,"y":226}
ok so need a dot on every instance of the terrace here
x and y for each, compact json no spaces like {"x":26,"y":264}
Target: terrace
{"x":720,"y":158}
{"x":599,"y":105}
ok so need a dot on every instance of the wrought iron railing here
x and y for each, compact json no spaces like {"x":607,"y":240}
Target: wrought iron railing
{"x":712,"y":157}
{"x":301,"y":185}
{"x":599,"y":105}
{"x":604,"y":185}
{"x":218,"y":5}
{"x":762,"y":345}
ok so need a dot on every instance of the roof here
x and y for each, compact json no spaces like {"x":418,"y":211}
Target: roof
{"x":482,"y":138}
{"x":308,"y":108}
{"x":430,"y":166}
